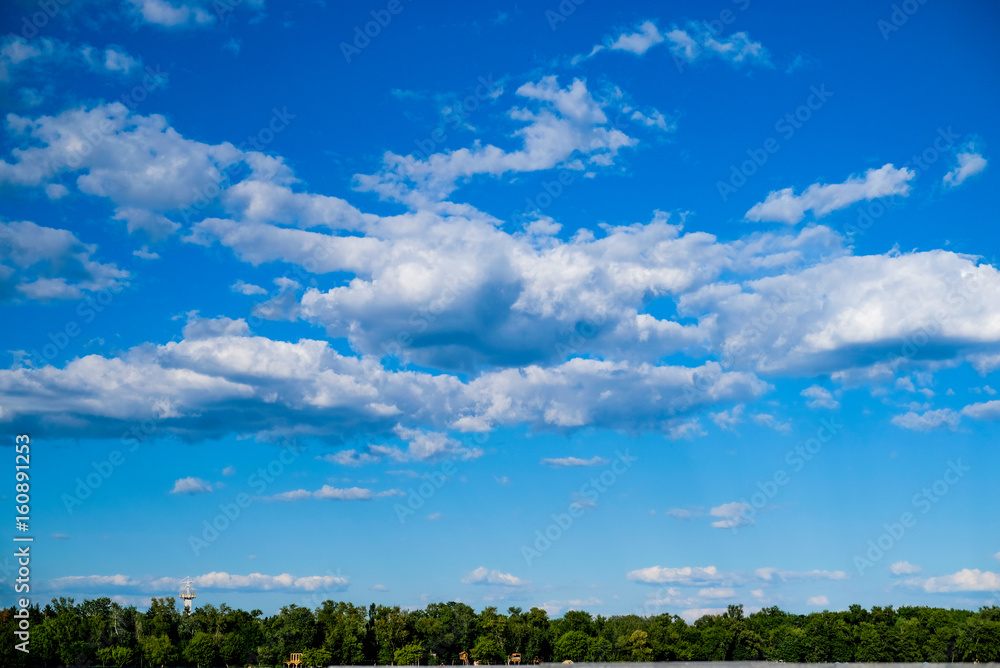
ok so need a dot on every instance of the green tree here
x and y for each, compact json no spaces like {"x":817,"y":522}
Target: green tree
{"x":201,"y":650}
{"x":572,"y":646}
{"x":316,"y":657}
{"x":638,"y":647}
{"x":487,"y":650}
{"x":409,"y":655}
{"x":158,"y":650}
{"x":116,"y":655}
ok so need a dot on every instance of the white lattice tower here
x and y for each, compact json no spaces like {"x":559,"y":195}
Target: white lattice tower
{"x":187,"y":593}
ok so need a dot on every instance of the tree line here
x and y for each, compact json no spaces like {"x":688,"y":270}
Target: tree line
{"x":100,"y":632}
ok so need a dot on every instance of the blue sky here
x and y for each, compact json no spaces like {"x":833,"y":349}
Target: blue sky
{"x":633,"y":308}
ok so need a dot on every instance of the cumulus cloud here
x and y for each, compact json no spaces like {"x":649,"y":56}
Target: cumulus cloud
{"x":784,"y":206}
{"x":855,"y":312}
{"x":247,"y":288}
{"x":686,"y":575}
{"x":964,"y":580}
{"x":731,"y":514}
{"x":191,"y":485}
{"x":566,"y":462}
{"x":640,"y":41}
{"x":211,"y":581}
{"x":46,"y":263}
{"x":333,"y":493}
{"x":568,"y":128}
{"x":697,"y":40}
{"x":928,"y":420}
{"x":970,"y":163}
{"x":818,"y":600}
{"x":769,"y":574}
{"x":173,"y":14}
{"x":904,"y":568}
{"x":717,"y":592}
{"x":144,"y":167}
{"x":20,"y":57}
{"x":693,"y":614}
{"x":482,"y":576}
{"x":820,"y":397}
{"x":989,"y":410}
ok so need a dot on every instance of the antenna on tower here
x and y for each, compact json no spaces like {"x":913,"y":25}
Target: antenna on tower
{"x":187,"y":593}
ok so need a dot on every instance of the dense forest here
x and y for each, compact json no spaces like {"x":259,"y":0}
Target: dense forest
{"x":101,"y":632}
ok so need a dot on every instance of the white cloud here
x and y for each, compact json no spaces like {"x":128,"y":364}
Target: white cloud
{"x":229,"y":471}
{"x":191,"y":485}
{"x":681,"y":513}
{"x":568,"y":126}
{"x":247,"y":288}
{"x":970,"y":163}
{"x":686,"y":575}
{"x":769,"y":574}
{"x":786,"y":207}
{"x":732,"y":514}
{"x":18,"y":53}
{"x":928,"y":420}
{"x":565,"y":462}
{"x":145,"y":254}
{"x":964,"y":580}
{"x":692,"y":614}
{"x":380,"y":587}
{"x":46,"y":263}
{"x":863,"y":314}
{"x":142,"y":165}
{"x":555,"y":607}
{"x":334,"y":493}
{"x":482,"y":575}
{"x":818,"y":600}
{"x":820,"y":396}
{"x":638,"y":42}
{"x":172,"y":14}
{"x":213,"y":580}
{"x":261,"y":582}
{"x":904,"y":568}
{"x":989,"y":410}
{"x":717,"y":592}
{"x":698,"y":40}
{"x":728,"y":419}
{"x":351,"y":457}
{"x":768,"y":420}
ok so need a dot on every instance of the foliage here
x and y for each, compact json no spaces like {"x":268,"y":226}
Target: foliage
{"x":101,"y":632}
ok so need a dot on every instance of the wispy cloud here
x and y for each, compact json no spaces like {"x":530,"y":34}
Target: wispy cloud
{"x":784,"y":206}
